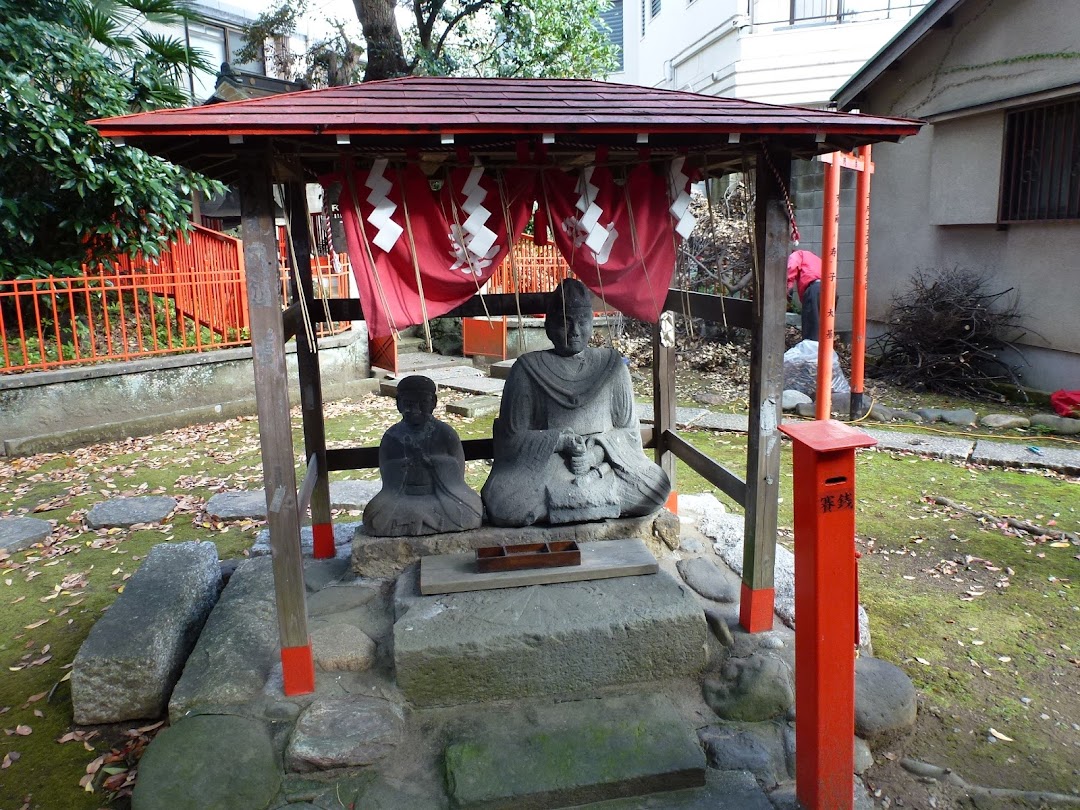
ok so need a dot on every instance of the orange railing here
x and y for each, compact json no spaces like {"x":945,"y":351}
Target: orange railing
{"x":191,"y":298}
{"x":539,"y":268}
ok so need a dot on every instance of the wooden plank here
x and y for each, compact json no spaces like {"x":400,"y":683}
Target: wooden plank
{"x":719,"y":308}
{"x":307,"y":354}
{"x":303,"y":498}
{"x":455,"y":573}
{"x":664,"y":396}
{"x":712,"y":471}
{"x":272,"y":398}
{"x":766,"y":380}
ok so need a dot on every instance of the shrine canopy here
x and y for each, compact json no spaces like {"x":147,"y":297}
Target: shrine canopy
{"x":437,"y":177}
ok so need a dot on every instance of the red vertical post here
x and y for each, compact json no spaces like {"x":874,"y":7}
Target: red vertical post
{"x":825,"y":624}
{"x":858,"y":293}
{"x":830,"y":236}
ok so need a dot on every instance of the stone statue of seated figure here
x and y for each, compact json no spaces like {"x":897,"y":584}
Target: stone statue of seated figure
{"x":423,"y":472}
{"x":567,"y":441}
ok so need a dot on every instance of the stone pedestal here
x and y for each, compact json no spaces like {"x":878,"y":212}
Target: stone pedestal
{"x":546,"y":639}
{"x":388,"y":556}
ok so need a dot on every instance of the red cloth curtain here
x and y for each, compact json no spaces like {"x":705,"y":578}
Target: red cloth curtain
{"x":619,"y":235}
{"x":410,"y":245}
{"x":404,"y":237}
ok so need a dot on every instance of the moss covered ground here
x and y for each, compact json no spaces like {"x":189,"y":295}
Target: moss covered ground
{"x":981,"y":616}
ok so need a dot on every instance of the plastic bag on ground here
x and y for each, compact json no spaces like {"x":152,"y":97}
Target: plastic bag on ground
{"x":800,"y":370}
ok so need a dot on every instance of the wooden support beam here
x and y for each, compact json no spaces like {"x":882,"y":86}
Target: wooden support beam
{"x":303,"y":497}
{"x":712,"y":471}
{"x":738,"y":312}
{"x":275,"y":432}
{"x":766,"y":387}
{"x":663,"y":342}
{"x":307,"y":362}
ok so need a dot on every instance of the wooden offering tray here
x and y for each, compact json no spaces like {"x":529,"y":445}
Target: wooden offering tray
{"x":523,"y":556}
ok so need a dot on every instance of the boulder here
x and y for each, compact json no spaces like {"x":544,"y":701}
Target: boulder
{"x":238,"y":647}
{"x":219,"y":761}
{"x":133,"y":656}
{"x":19,"y":533}
{"x":1004,"y":421}
{"x":706,"y":577}
{"x":755,"y":747}
{"x":125,"y":512}
{"x":342,"y":647}
{"x":758,"y":687}
{"x":885,"y":701}
{"x":345,"y":732}
{"x":237,"y":505}
{"x":1062,"y":425}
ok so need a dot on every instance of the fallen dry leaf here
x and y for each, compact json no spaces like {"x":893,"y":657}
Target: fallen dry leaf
{"x":23,"y":730}
{"x":9,"y":758}
{"x":35,"y":625}
{"x":999,"y":736}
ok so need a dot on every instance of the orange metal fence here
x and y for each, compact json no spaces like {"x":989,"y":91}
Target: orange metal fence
{"x":539,"y":268}
{"x":191,"y":298}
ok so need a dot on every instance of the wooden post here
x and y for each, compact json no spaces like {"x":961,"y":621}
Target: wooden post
{"x":307,"y":361}
{"x":830,"y":234}
{"x":766,"y":387}
{"x":858,"y":303}
{"x":664,"y":398}
{"x":275,"y":432}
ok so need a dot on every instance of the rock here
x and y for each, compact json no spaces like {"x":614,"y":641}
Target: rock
{"x":499,"y":644}
{"x":790,"y":398}
{"x":19,"y":533}
{"x":343,"y":538}
{"x":906,"y":416}
{"x":319,"y":574}
{"x":342,"y":647}
{"x":864,"y":757}
{"x":238,"y":646}
{"x":133,"y":656}
{"x":221,"y":761}
{"x":755,"y":747}
{"x":705,"y":577}
{"x":569,"y":753}
{"x":237,"y":505}
{"x":962,"y":418}
{"x":125,"y":512}
{"x":471,"y":407}
{"x":718,"y":625}
{"x":1062,"y":425}
{"x":751,"y":689}
{"x":689,"y":544}
{"x":352,"y":494}
{"x":1004,"y":421}
{"x":806,"y":409}
{"x":866,"y":644}
{"x":346,"y":732}
{"x":340,"y":598}
{"x":885,"y":701}
{"x":666,"y":528}
{"x":881,"y":413}
{"x":708,"y":398}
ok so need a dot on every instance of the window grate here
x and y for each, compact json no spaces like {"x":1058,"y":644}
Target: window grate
{"x":613,"y":19}
{"x":1040,"y":178}
{"x":655,"y":8}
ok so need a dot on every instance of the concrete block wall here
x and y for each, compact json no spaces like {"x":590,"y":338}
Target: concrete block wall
{"x":807,"y":195}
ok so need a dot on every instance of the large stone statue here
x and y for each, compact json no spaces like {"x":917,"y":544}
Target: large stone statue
{"x":567,"y":441}
{"x":423,"y":472}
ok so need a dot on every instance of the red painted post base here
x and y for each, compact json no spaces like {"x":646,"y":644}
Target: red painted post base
{"x":323,"y":536}
{"x":672,"y":504}
{"x":298,"y":667}
{"x":756,"y":609}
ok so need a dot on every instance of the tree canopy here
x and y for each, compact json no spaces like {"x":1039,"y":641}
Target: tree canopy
{"x":523,"y":38}
{"x":68,"y":196}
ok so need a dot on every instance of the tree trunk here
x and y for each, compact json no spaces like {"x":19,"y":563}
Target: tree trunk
{"x":385,"y":55}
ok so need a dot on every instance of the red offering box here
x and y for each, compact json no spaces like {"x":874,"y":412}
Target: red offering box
{"x":527,"y":555}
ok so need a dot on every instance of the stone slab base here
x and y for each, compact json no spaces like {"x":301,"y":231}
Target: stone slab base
{"x":547,"y":640}
{"x":388,"y":556}
{"x":569,"y":753}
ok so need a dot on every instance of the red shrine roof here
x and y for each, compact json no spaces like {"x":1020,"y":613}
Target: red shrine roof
{"x":418,"y":112}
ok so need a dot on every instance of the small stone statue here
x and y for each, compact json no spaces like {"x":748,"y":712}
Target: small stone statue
{"x":567,"y":441}
{"x":423,"y":472}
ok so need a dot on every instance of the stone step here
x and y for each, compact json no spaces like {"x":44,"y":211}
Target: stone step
{"x":472,"y":385}
{"x":475,"y":406}
{"x":563,"y":754}
{"x":420,"y":362}
{"x":547,"y":640}
{"x":439,"y":374}
{"x":501,"y":370}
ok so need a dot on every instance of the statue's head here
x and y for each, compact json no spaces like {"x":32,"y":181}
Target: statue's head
{"x":416,"y":399}
{"x":569,"y":317}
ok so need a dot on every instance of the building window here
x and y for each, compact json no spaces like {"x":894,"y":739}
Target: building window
{"x":655,"y":7}
{"x":613,"y":19}
{"x":643,"y":17}
{"x":843,"y":11}
{"x":1040,"y":177}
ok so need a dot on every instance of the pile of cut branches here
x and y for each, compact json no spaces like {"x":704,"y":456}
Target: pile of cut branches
{"x":716,"y":258}
{"x":947,"y":334}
